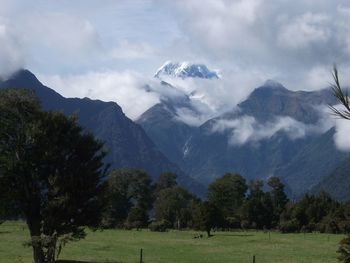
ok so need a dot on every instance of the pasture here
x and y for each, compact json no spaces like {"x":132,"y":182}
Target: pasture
{"x":178,"y":247}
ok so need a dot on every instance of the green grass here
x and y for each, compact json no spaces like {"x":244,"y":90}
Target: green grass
{"x":178,"y":246}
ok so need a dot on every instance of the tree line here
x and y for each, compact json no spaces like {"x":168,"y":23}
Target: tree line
{"x":231,"y":203}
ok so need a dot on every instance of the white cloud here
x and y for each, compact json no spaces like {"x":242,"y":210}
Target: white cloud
{"x":246,"y":129}
{"x":127,"y":50}
{"x":341,"y":136}
{"x":66,"y":33}
{"x":191,"y":117}
{"x":283,"y":38}
{"x":135,"y":93}
{"x":302,"y":31}
{"x":12,"y":53}
{"x":125,"y":88}
{"x":221,"y":94}
{"x":321,"y":76}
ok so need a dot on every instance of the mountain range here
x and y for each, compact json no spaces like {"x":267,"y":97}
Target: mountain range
{"x":127,"y":144}
{"x":273,"y":132}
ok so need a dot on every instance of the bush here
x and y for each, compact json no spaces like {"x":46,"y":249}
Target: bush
{"x":132,"y":225}
{"x":159,"y":226}
{"x":233,"y":222}
{"x":344,"y":250}
{"x":290,"y":226}
{"x":328,"y":226}
{"x":245,"y":224}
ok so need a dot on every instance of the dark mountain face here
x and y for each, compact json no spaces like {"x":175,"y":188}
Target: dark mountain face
{"x":169,"y":134}
{"x":314,"y":161}
{"x":127,"y":143}
{"x":162,"y":124}
{"x":205,"y":153}
{"x":272,"y":99}
{"x":337,"y":183}
{"x":301,"y":161}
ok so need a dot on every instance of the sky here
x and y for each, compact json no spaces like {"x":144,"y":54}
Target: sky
{"x":109,"y":49}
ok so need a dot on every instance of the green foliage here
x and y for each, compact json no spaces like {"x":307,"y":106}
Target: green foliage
{"x":51,"y":170}
{"x":137,"y":218}
{"x":344,"y":250}
{"x":227,"y":193}
{"x":279,"y":198}
{"x":290,"y":226}
{"x":258,"y":207}
{"x":165,"y":180}
{"x":208,"y":216}
{"x":316,"y":213}
{"x":128,"y":191}
{"x":174,"y":205}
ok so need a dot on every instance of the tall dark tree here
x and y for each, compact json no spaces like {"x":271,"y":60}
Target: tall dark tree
{"x":278,"y":196}
{"x":127,"y":189}
{"x":173,"y":205}
{"x":207,"y":216}
{"x":227,"y":193}
{"x":51,"y":170}
{"x":257,"y":209}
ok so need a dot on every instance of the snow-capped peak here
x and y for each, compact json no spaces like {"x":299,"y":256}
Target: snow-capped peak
{"x":186,"y":70}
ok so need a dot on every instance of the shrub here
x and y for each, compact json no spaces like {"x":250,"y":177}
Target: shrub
{"x":290,"y":226}
{"x":159,"y":226}
{"x":344,"y":250}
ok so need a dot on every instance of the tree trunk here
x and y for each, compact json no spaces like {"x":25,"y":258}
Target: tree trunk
{"x":51,"y":252}
{"x":208,"y":232}
{"x":34,"y":229}
{"x":38,"y":254}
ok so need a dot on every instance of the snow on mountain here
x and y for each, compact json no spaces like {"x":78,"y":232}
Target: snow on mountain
{"x":186,"y":70}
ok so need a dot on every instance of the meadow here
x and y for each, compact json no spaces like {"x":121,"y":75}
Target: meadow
{"x":178,"y":246}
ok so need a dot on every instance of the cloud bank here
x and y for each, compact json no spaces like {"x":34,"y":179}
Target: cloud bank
{"x":289,"y":40}
{"x":126,"y":88}
{"x":247,"y":129}
{"x":341,"y":137}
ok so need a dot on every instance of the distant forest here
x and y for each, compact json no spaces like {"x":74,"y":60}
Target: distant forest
{"x":232,"y":203}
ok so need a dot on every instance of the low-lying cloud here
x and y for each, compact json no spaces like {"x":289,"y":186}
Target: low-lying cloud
{"x":247,"y":129}
{"x":341,"y":136}
{"x":135,"y":93}
{"x":126,"y":88}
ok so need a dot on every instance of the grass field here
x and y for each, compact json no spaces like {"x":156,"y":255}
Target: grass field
{"x":179,"y":246}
